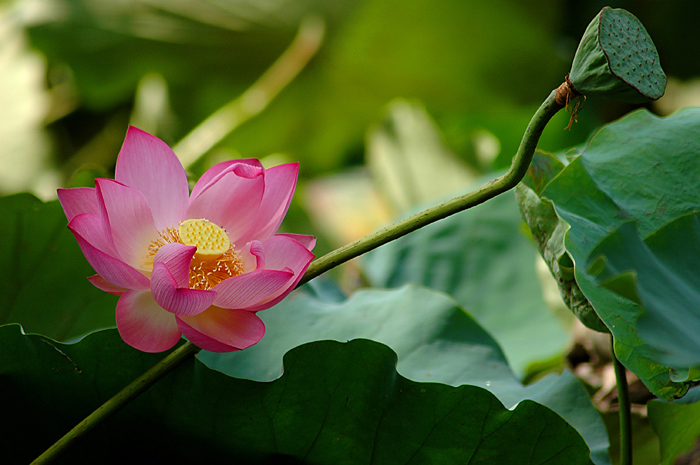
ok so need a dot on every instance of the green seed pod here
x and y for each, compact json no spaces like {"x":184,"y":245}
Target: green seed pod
{"x":617,"y":60}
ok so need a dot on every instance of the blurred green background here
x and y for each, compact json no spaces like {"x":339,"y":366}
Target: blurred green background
{"x":75,"y":73}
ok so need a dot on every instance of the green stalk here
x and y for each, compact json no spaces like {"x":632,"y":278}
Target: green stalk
{"x":122,"y":398}
{"x":520,"y":164}
{"x":510,"y":179}
{"x":625,"y":412}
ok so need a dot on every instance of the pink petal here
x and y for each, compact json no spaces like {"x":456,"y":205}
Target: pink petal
{"x":79,"y":200}
{"x":102,"y":284}
{"x":222,"y":330}
{"x":147,"y":164}
{"x":130,"y":221}
{"x":170,"y":281}
{"x":246,"y":290}
{"x":110,"y":268}
{"x":144,"y":325}
{"x":91,"y":228}
{"x":231,"y":202}
{"x":216,"y":171}
{"x":283,"y":252}
{"x":307,"y":241}
{"x":251,"y":255}
{"x":177,"y":258}
{"x":280,"y":182}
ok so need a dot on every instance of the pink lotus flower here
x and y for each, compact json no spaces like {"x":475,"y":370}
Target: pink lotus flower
{"x":199,"y":265}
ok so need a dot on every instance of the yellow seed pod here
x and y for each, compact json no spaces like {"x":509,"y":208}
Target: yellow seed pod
{"x":211,"y":240}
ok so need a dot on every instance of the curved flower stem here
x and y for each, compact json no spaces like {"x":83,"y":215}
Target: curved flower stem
{"x":520,"y":164}
{"x":623,"y":400}
{"x":510,"y":179}
{"x":123,"y":397}
{"x":254,"y":100}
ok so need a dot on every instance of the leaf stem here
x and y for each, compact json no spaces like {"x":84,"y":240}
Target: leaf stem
{"x":625,"y":409}
{"x":123,"y":397}
{"x":519,"y":166}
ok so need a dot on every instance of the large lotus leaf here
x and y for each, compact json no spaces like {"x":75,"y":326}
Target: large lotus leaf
{"x":434,"y":338}
{"x":641,"y":167}
{"x":660,"y":274}
{"x":482,"y":259}
{"x":335,"y":404}
{"x":43,"y":273}
{"x":676,"y":424}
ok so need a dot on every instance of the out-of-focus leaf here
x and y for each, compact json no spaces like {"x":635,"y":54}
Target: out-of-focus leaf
{"x":409,"y":161}
{"x":676,"y":423}
{"x":345,"y":206}
{"x":335,"y":404}
{"x":43,"y":274}
{"x":641,"y":167}
{"x":434,"y":338}
{"x":456,"y":56}
{"x":644,"y":438}
{"x":109,"y":46}
{"x":481,"y":258}
{"x":23,"y":144}
{"x":660,"y":273}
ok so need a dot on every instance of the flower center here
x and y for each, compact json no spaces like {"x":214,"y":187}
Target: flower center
{"x":211,"y":240}
{"x":215,"y":259}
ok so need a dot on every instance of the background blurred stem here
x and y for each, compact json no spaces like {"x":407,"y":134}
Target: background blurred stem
{"x":623,"y":400}
{"x":519,"y":166}
{"x":122,"y":398}
{"x":254,"y":100}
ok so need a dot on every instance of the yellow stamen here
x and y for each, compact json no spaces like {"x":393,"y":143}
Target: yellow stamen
{"x":216,"y":258}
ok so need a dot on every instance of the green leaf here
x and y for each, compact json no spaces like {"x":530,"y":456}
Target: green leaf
{"x":435,"y":341}
{"x":482,"y":259}
{"x":335,"y":404}
{"x":641,"y":167}
{"x":548,"y":232}
{"x":43,"y":273}
{"x":676,"y":424}
{"x":660,"y":274}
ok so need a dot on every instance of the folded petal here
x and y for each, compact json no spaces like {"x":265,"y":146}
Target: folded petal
{"x":177,"y":258}
{"x":145,"y":325}
{"x":280,"y":182}
{"x":218,"y":170}
{"x":102,"y":284}
{"x":110,"y":268}
{"x":250,"y":289}
{"x":79,"y":200}
{"x":222,"y":330}
{"x":130,"y":221}
{"x":147,"y":164}
{"x":283,"y":252}
{"x":304,"y":239}
{"x":250,"y":259}
{"x":91,"y":228}
{"x":171,"y":294}
{"x":231,"y":202}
